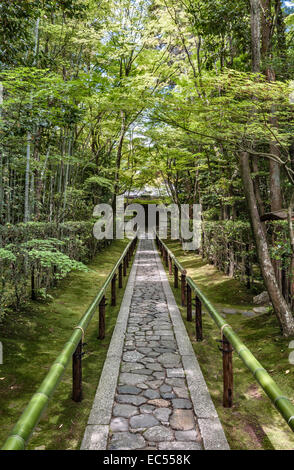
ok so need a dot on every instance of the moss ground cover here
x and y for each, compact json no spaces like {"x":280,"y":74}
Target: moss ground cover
{"x":34,"y":337}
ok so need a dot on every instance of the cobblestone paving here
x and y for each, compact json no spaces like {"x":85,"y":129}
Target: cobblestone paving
{"x":152,"y":408}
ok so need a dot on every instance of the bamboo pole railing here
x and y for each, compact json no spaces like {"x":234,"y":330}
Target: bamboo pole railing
{"x":229,"y":340}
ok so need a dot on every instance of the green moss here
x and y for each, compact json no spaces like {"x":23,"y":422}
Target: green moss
{"x":34,"y":337}
{"x":253,"y":422}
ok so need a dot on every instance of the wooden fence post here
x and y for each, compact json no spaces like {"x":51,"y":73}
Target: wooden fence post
{"x":161,"y":248}
{"x":183,"y":288}
{"x":120,"y":276}
{"x":227,"y":351}
{"x":113,"y":291}
{"x":176,"y":276}
{"x":170,"y":266}
{"x":198,"y":319}
{"x":102,"y":304}
{"x":124,"y":266}
{"x":77,"y":392}
{"x":164,"y":254}
{"x":189,"y":303}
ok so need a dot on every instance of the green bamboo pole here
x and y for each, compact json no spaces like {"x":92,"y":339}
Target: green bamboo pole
{"x":29,"y":419}
{"x":281,"y":402}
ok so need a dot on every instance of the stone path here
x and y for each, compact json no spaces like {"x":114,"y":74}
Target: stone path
{"x":160,"y":400}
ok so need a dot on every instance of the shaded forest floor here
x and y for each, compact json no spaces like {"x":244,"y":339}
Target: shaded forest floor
{"x":32,"y":339}
{"x":253,"y":423}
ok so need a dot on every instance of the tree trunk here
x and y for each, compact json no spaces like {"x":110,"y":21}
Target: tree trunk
{"x":256,"y":59}
{"x":119,"y":154}
{"x":274,"y":168}
{"x":1,"y":164}
{"x":281,"y":30}
{"x":29,"y":138}
{"x":266,"y":28}
{"x":66,"y":178}
{"x":275,"y":178}
{"x":256,"y":183}
{"x":27,"y":181}
{"x":37,"y":175}
{"x":291,"y":234}
{"x":267,"y":33}
{"x":255,"y":35}
{"x":281,"y":307}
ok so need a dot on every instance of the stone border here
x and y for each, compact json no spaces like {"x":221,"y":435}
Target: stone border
{"x":97,"y":430}
{"x":210,"y":426}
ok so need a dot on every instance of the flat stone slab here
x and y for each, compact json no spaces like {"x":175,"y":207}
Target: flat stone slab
{"x":169,"y":358}
{"x":181,"y":392}
{"x":126,"y":378}
{"x":230,"y":311}
{"x":173,"y":373}
{"x":155,"y":367}
{"x":260,"y":309}
{"x":155,"y":384}
{"x":182,"y":403}
{"x":128,"y":390}
{"x":125,"y":411}
{"x":191,"y":435}
{"x":131,"y":366}
{"x":147,"y":408}
{"x":159,"y":403}
{"x":126,"y":441}
{"x":162,"y":414}
{"x":132,"y":356}
{"x":168,"y":395}
{"x":248,"y":314}
{"x":151,"y":394}
{"x":130,"y":399}
{"x":176,"y":382}
{"x":182,"y":420}
{"x":158,"y":434}
{"x":143,"y":372}
{"x":143,"y":421}
{"x":119,"y":424}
